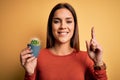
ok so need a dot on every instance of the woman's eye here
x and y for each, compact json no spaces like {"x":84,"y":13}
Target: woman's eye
{"x":56,"y":21}
{"x":69,"y":21}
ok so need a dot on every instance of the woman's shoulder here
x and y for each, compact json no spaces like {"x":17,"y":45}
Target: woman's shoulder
{"x":82,"y":54}
{"x":44,"y":49}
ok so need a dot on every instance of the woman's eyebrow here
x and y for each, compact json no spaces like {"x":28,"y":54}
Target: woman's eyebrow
{"x":69,"y":18}
{"x":56,"y":18}
{"x":65,"y":18}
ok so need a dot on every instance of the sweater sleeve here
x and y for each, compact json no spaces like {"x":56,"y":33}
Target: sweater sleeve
{"x":92,"y":74}
{"x":30,"y":77}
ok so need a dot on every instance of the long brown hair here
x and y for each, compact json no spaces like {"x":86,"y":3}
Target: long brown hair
{"x":74,"y":43}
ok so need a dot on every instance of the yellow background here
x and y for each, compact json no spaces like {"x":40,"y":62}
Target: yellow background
{"x":21,"y":20}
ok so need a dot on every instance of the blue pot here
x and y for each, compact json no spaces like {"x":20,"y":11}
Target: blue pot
{"x":35,"y":49}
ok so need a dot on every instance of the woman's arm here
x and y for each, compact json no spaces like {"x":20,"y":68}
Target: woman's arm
{"x":29,"y":62}
{"x":95,"y":52}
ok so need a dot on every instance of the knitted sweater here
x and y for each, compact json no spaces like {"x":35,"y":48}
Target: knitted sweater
{"x":75,"y":66}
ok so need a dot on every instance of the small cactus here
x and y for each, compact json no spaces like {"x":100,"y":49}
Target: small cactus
{"x":35,"y":42}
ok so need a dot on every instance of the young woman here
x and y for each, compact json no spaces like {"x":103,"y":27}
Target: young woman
{"x":62,"y":59}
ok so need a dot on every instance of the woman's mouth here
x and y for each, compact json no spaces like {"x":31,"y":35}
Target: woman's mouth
{"x":63,"y":33}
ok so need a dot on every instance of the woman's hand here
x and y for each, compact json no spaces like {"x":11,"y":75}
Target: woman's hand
{"x":28,"y":61}
{"x":94,"y":49}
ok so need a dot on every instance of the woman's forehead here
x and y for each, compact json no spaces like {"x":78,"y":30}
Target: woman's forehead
{"x":63,"y":13}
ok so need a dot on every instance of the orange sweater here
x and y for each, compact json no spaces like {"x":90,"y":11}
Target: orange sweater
{"x":75,"y":66}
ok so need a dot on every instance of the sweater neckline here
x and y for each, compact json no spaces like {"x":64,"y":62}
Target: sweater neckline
{"x":51,"y":53}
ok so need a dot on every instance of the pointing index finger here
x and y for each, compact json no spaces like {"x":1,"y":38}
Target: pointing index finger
{"x":92,"y":33}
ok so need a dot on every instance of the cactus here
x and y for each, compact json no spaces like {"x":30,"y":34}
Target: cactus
{"x":35,"y":42}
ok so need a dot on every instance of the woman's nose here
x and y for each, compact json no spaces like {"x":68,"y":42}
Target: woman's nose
{"x":63,"y":25}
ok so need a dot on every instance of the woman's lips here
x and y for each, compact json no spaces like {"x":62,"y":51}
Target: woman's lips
{"x":62,"y":33}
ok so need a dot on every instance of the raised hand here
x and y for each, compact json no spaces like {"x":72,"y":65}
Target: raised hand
{"x":28,"y":61}
{"x":94,"y":49}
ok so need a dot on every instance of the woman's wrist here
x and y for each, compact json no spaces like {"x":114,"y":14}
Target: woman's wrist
{"x":101,"y":66}
{"x":99,"y":63}
{"x":29,"y":73}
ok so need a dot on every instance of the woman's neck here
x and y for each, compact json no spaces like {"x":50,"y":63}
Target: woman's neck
{"x":62,"y":49}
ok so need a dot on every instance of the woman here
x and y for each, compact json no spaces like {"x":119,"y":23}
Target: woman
{"x":62,"y":59}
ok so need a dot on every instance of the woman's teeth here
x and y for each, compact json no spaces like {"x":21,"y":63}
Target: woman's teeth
{"x":62,"y":32}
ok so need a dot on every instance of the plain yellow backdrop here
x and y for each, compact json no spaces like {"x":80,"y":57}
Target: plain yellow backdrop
{"x":21,"y":20}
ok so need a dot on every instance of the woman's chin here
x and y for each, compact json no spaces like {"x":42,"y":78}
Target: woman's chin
{"x":63,"y":41}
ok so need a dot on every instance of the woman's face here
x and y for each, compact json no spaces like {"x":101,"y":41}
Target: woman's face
{"x":63,"y":25}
